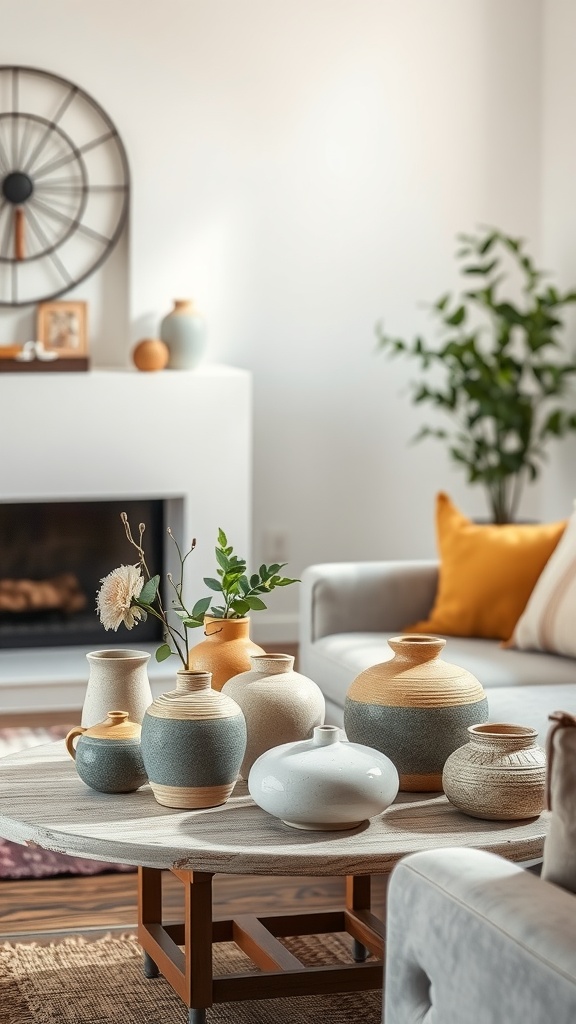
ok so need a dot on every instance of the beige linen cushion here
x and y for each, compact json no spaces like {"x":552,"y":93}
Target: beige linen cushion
{"x":548,"y":622}
{"x":559,"y":864}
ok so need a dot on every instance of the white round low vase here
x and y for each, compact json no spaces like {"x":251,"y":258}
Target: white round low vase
{"x":279,"y":704}
{"x":324,"y":783}
{"x":499,"y":775}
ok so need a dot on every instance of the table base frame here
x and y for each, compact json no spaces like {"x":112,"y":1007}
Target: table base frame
{"x":182,"y":952}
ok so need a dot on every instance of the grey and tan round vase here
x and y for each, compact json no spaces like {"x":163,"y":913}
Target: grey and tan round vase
{"x":183,"y":330}
{"x":108,"y":756}
{"x":500,"y":774}
{"x":225,"y":651}
{"x":279,"y":704}
{"x":193,"y":742}
{"x":415,"y":708}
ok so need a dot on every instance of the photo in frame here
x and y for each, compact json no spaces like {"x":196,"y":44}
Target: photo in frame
{"x":62,"y":327}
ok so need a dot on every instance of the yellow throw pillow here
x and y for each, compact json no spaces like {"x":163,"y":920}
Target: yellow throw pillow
{"x":487,"y":573}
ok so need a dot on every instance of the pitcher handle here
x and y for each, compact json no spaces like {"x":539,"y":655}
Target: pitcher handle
{"x":77,"y":731}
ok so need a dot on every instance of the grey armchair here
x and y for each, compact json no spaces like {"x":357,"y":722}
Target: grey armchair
{"x":475,"y":939}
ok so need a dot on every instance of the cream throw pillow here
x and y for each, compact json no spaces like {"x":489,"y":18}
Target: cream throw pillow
{"x":548,"y":622}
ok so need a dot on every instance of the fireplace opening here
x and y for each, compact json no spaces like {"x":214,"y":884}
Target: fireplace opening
{"x":53,"y":556}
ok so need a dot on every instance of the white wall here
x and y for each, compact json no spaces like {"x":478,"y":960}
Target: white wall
{"x":300,"y":168}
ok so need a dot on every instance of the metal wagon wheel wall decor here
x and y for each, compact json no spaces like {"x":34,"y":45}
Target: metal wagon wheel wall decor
{"x":64,"y":185}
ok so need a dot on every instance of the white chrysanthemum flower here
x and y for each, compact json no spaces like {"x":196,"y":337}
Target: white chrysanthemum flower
{"x":113,"y":600}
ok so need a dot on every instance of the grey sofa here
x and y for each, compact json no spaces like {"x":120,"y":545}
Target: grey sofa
{"x":474,"y":939}
{"x":348,"y":611}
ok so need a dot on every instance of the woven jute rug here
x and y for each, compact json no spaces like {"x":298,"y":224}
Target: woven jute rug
{"x":77,"y":981}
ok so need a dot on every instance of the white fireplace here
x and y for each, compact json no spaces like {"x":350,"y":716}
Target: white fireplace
{"x":180,"y":436}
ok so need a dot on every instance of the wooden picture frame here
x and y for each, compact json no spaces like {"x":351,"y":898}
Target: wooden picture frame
{"x":62,"y":327}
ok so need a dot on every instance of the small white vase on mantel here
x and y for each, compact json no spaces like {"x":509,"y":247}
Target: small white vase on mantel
{"x":183,"y":330}
{"x":117,"y":681}
{"x":279,"y":704}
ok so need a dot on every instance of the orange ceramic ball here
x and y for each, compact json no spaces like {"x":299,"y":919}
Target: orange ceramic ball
{"x":150,"y":354}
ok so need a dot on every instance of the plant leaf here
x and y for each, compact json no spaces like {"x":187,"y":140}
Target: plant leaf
{"x":149,"y":590}
{"x":163,"y":652}
{"x":213,"y":584}
{"x":201,"y":607}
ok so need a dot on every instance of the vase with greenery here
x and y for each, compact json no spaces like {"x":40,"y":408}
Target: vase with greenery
{"x":130,"y":593}
{"x":498,"y":370}
{"x":227,"y":647}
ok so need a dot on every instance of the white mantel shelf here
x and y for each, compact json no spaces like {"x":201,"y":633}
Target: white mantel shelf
{"x":184,"y":436}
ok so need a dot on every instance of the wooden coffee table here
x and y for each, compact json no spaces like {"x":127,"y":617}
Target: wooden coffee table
{"x":43,"y":802}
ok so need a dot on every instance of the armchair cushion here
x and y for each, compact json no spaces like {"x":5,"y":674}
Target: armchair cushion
{"x":474,"y":939}
{"x":487,"y":573}
{"x":559,"y":864}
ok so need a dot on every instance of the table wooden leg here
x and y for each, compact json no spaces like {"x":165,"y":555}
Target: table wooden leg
{"x":188,"y":971}
{"x":183,"y":952}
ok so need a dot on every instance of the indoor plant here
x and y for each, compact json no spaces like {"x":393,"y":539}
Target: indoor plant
{"x":498,"y":370}
{"x":129,"y":593}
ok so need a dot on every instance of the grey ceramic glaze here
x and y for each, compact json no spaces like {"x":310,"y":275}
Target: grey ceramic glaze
{"x":417,"y":740}
{"x":183,"y":752}
{"x":110,"y":766}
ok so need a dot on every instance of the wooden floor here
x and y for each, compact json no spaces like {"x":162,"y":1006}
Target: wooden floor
{"x":46,"y":909}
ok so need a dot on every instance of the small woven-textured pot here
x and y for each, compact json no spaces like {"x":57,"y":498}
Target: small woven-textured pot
{"x":108,"y":756}
{"x":500,"y":774}
{"x":279,"y":704}
{"x":193,"y":742}
{"x":416,"y":708}
{"x":225,"y":652}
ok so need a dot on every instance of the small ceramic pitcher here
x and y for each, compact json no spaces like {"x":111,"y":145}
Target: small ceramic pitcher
{"x":108,"y":756}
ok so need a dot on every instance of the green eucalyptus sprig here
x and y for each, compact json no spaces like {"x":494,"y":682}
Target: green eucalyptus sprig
{"x":240,"y":592}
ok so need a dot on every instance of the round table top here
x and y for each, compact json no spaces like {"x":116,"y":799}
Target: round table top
{"x":44,"y":802}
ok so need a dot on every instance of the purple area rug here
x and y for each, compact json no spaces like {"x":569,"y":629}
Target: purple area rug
{"x":18,"y":861}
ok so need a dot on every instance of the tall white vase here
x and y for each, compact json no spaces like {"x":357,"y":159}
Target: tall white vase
{"x":117,"y":681}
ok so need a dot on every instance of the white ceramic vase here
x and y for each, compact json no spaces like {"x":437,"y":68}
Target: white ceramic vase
{"x":324,"y":783}
{"x":183,"y":330}
{"x":279,"y":704}
{"x":117,"y":681}
{"x":499,"y":774}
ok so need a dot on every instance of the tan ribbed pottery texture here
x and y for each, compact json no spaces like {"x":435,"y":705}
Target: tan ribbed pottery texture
{"x":500,"y":774}
{"x":226,"y":650}
{"x":279,"y":704}
{"x":108,"y":756}
{"x":415,"y":708}
{"x":193,"y":742}
{"x":117,"y":679}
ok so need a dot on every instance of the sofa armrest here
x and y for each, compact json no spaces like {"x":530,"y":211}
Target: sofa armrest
{"x":366,"y":597}
{"x":474,"y":939}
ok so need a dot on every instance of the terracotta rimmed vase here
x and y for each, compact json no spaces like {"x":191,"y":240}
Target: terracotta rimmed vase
{"x":225,"y":651}
{"x":117,"y":679}
{"x":416,"y":708}
{"x":193,"y":742}
{"x":108,"y":756}
{"x":279,"y":704}
{"x":500,"y":774}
